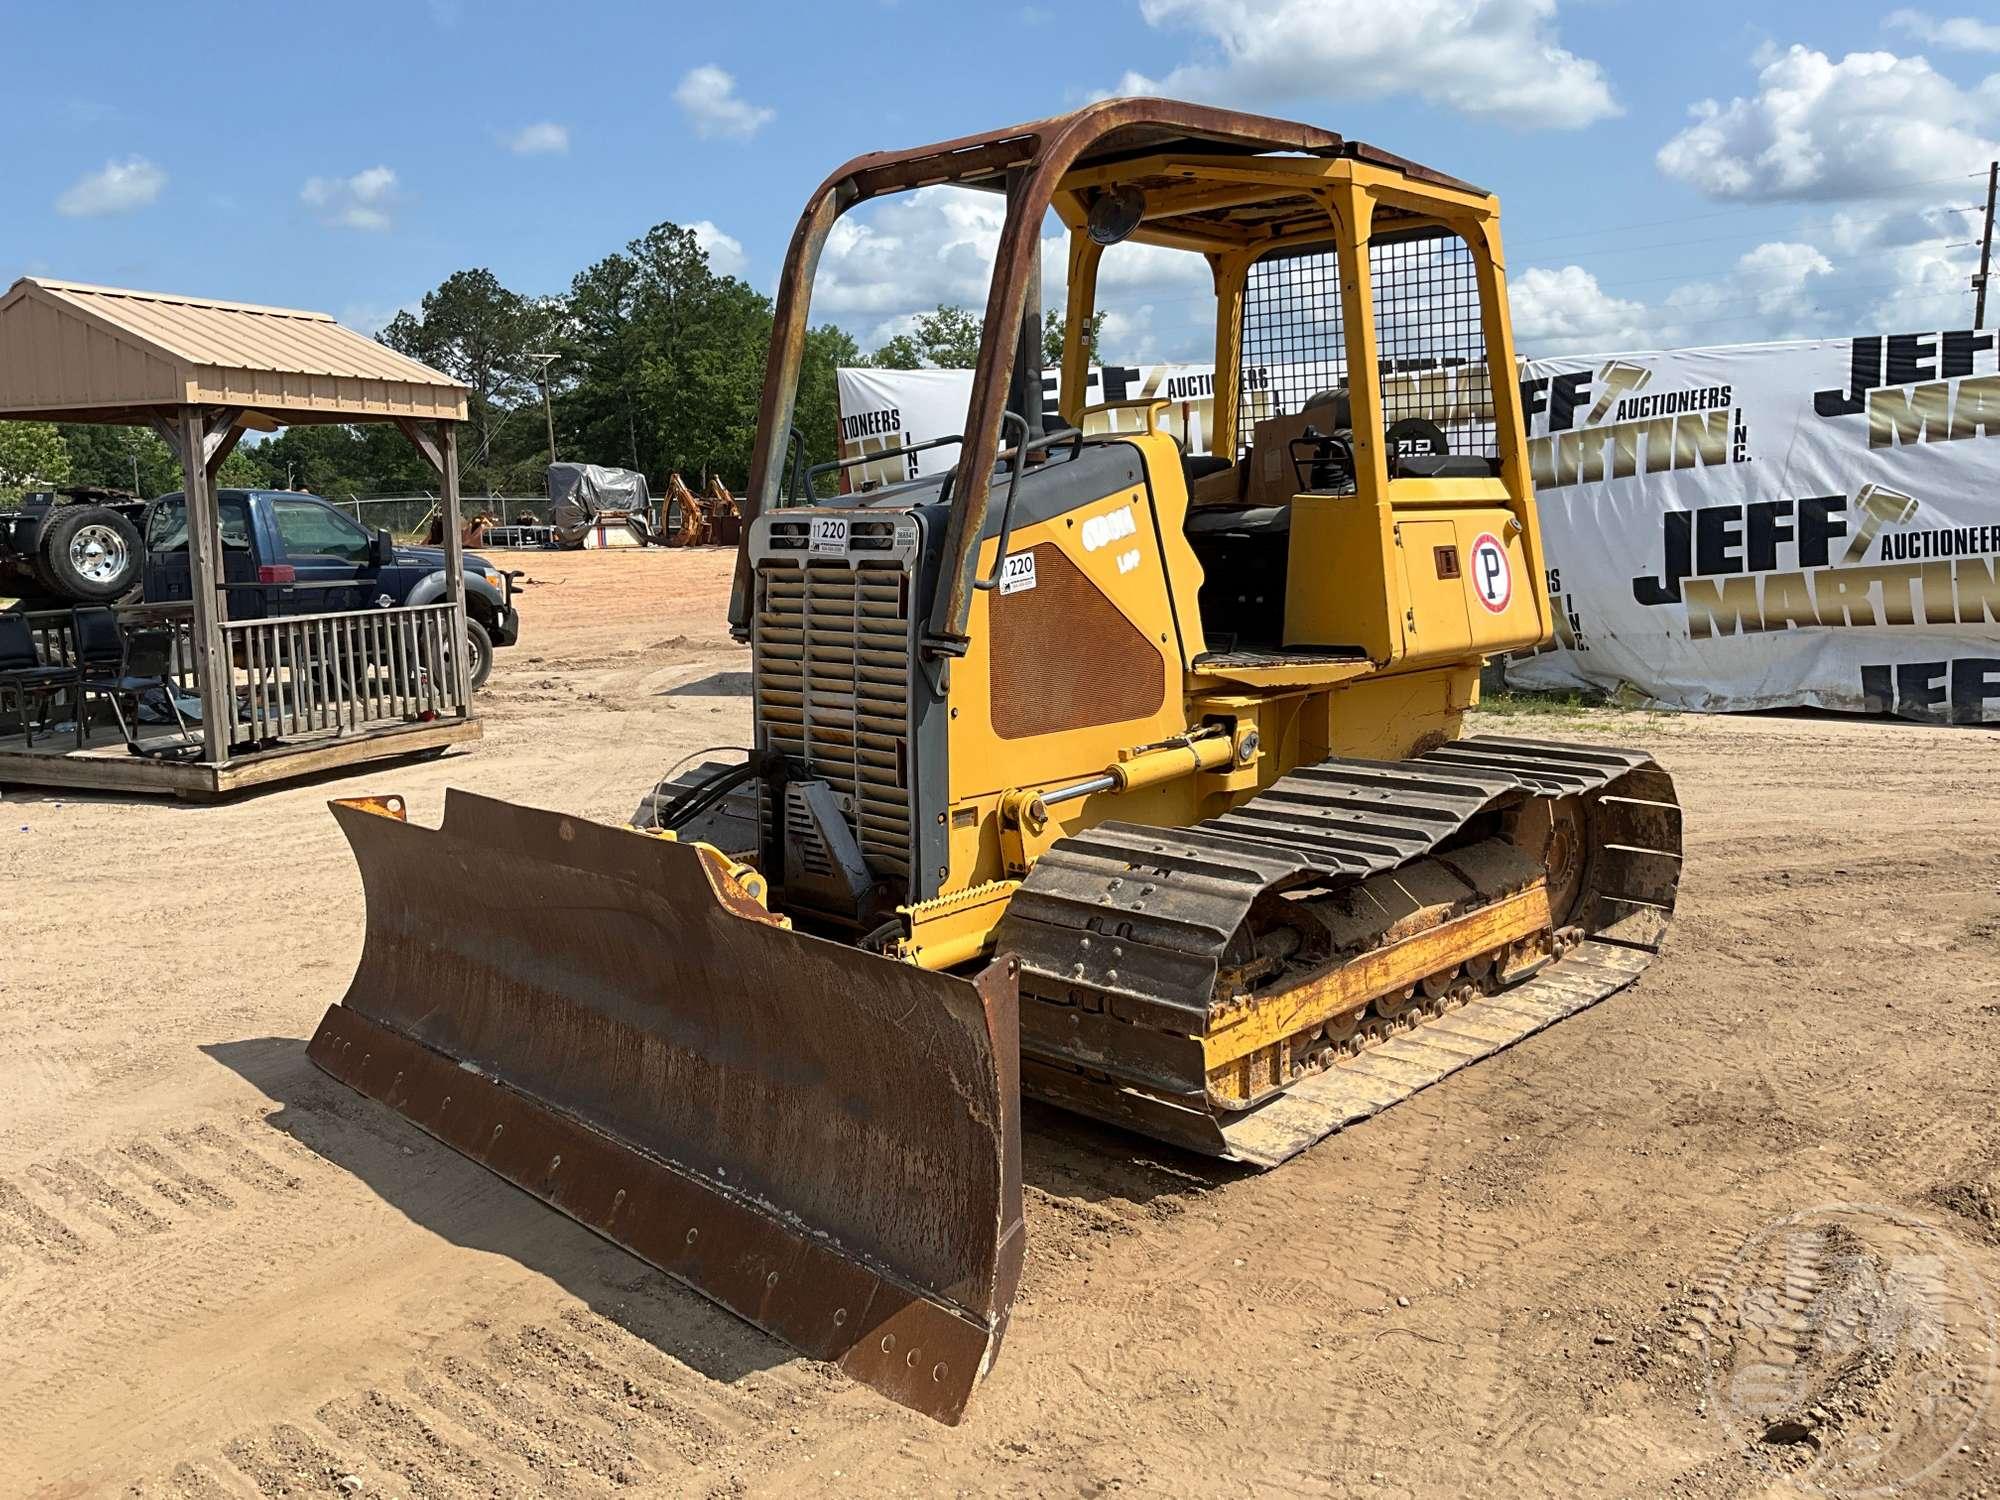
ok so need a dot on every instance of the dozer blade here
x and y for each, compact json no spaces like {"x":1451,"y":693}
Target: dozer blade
{"x":825,"y":1142}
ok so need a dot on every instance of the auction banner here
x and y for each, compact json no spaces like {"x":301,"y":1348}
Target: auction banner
{"x":882,"y":410}
{"x":888,"y":409}
{"x":1774,"y":525}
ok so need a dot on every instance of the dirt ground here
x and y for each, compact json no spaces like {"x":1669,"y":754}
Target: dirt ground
{"x":1579,"y":1268}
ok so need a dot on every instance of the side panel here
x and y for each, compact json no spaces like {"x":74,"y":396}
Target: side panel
{"x":1413,"y":586}
{"x":1076,"y":661}
{"x":1338,"y":587}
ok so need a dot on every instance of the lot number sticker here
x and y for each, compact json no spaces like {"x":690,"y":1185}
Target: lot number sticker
{"x":829,"y":534}
{"x":1492,"y":576}
{"x":1017,"y":573}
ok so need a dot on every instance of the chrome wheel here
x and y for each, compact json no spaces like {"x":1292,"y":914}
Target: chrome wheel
{"x":98,"y":553}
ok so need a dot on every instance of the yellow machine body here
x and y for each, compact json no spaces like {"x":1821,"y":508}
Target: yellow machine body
{"x":1091,"y":768}
{"x":1388,"y":567}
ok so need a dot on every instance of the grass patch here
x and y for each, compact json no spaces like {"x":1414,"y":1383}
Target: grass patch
{"x":1510,"y":703}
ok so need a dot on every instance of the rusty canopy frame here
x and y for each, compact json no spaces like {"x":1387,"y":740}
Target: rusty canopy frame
{"x":1229,"y":185}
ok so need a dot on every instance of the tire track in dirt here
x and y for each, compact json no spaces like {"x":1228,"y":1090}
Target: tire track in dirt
{"x":33,"y":1228}
{"x":531,"y":1411}
{"x":285,"y":1462}
{"x":398,"y":1441}
{"x":535,"y":1431}
{"x":63,"y":1209}
{"x":189,"y":1483}
{"x":117,"y":1245}
{"x":88,"y":1195}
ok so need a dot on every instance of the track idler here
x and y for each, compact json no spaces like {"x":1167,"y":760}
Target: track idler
{"x":825,"y":1142}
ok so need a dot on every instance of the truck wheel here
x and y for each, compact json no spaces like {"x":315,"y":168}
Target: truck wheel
{"x":90,"y":553}
{"x":481,"y":646}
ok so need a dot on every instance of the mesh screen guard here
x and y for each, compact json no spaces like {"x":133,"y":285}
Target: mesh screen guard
{"x":1430,"y":344}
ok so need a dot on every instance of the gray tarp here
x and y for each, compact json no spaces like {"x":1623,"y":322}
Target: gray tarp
{"x":580,"y":495}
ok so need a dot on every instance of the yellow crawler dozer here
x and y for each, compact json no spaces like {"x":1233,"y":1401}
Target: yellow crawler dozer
{"x":1093,"y":767}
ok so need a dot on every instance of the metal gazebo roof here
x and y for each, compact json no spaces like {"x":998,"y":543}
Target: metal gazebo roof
{"x":77,"y":353}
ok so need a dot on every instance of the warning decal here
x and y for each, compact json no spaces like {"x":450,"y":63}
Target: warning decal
{"x":1492,"y":575}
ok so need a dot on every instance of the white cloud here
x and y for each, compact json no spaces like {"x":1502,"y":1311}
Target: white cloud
{"x":1870,"y":125}
{"x":120,"y":188}
{"x":1491,"y":59}
{"x":1923,"y":286}
{"x":372,"y":317}
{"x":903,"y":255}
{"x":1783,"y":289}
{"x":708,"y":95}
{"x":1772,"y":293}
{"x":362,"y":201}
{"x":725,"y":251}
{"x":1562,"y":310}
{"x":892,"y":260}
{"x":1958,"y":33}
{"x":543,"y":139}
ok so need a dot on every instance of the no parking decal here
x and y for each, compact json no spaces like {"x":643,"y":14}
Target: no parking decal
{"x":1492,"y":575}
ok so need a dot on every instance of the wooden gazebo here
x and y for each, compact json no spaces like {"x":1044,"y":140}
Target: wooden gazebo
{"x":283,"y":693}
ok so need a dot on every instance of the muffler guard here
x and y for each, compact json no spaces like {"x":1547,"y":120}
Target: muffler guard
{"x":825,"y":1142}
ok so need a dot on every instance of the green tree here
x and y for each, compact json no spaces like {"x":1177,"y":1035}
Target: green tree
{"x":33,"y":456}
{"x":241,"y":471}
{"x":818,"y":412}
{"x":663,"y":360}
{"x":121,"y":458}
{"x":479,"y":333}
{"x":900,"y":353}
{"x":336,"y":461}
{"x":1052,"y":336}
{"x":601,"y":343}
{"x":949,"y":337}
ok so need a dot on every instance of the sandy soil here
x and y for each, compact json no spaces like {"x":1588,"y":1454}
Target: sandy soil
{"x":1566,"y":1271}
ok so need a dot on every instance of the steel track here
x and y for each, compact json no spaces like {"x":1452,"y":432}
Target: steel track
{"x":1123,"y":931}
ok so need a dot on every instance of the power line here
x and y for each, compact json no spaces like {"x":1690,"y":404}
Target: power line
{"x":1721,"y":238}
{"x":1721,"y":213}
{"x":1209,"y":297}
{"x":1664,"y":316}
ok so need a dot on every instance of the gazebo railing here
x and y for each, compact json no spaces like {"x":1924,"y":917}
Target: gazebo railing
{"x":341,"y":672}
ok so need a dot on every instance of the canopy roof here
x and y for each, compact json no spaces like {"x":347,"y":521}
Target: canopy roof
{"x":76,"y":353}
{"x":1215,"y":180}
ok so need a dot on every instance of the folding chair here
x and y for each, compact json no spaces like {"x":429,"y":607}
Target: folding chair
{"x":23,"y":677}
{"x":97,"y":649}
{"x":145,"y":662}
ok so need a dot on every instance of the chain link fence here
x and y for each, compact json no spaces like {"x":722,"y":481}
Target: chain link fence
{"x":407,"y":517}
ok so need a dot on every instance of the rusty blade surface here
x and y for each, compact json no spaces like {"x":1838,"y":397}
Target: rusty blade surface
{"x":825,"y":1142}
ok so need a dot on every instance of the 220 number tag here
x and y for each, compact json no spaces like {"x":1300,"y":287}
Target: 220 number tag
{"x":829,"y":534}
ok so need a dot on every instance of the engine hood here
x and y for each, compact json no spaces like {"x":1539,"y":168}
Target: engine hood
{"x":433,"y":558}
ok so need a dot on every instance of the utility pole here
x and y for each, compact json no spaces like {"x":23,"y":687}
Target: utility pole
{"x":548,"y":410}
{"x":1985,"y":250}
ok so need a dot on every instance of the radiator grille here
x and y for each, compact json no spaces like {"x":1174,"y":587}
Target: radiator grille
{"x":833,"y":690}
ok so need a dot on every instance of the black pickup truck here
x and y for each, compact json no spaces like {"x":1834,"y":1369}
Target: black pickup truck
{"x":290,"y":554}
{"x":72,"y":546}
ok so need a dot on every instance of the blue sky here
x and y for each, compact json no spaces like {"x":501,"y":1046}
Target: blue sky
{"x":1685,"y":173}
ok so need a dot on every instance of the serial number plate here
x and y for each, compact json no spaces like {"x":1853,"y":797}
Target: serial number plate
{"x":829,"y":534}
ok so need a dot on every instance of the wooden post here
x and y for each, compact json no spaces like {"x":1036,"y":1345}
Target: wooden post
{"x":454,"y":562}
{"x":204,"y":530}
